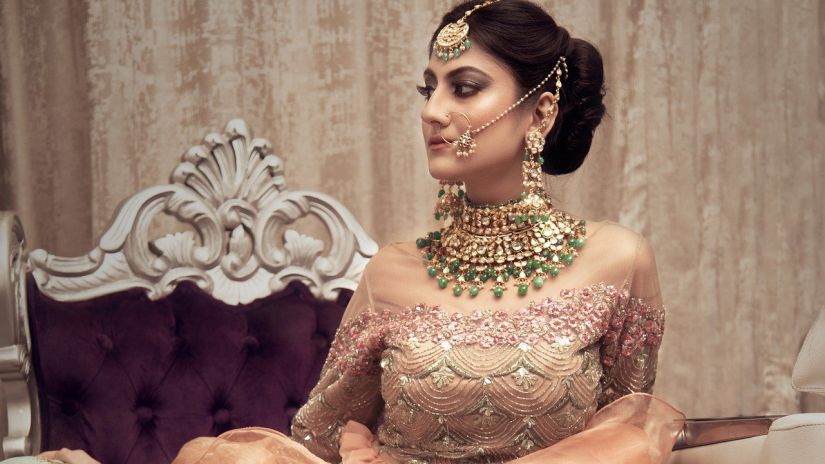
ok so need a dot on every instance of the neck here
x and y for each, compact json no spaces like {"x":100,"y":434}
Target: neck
{"x":496,"y":188}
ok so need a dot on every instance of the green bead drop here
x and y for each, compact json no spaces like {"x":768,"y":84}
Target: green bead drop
{"x":498,"y":291}
{"x":454,"y":266}
{"x":457,"y":290}
{"x":432,"y":271}
{"x":538,"y":282}
{"x":567,"y":258}
{"x":473,"y":291}
{"x":522,"y":289}
{"x":442,"y":282}
{"x":554,"y":271}
{"x":545,"y":267}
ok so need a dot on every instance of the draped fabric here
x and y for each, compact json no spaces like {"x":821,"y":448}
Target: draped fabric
{"x":416,"y":375}
{"x":637,"y":429}
{"x":712,"y":146}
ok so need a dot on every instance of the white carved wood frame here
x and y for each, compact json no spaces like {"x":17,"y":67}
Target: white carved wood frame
{"x":231,"y":189}
{"x":19,"y":417}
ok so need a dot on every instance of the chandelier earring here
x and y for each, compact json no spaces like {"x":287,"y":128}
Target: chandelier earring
{"x":531,"y":166}
{"x":450,"y":199}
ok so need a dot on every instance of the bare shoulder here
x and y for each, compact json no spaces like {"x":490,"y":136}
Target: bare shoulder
{"x":626,"y":245}
{"x":631,"y":246}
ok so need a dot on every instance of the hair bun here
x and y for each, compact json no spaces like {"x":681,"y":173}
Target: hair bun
{"x":581,"y":109}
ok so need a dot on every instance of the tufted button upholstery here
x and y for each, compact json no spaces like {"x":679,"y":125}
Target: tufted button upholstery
{"x":105,"y":342}
{"x":145,"y":415}
{"x":251,"y":343}
{"x":131,"y":380}
{"x":69,"y":406}
{"x":221,"y":416}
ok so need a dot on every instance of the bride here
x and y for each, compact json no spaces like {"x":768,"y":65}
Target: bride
{"x":516,"y":332}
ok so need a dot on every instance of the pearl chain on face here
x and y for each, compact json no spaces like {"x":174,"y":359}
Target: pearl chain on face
{"x":557,"y":70}
{"x":465,"y":145}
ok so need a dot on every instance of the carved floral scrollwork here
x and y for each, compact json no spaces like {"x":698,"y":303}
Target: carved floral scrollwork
{"x":232,"y":191}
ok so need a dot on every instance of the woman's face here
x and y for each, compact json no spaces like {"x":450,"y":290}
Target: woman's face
{"x":477,"y":85}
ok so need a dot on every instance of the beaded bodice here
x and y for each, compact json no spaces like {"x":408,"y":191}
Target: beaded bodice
{"x":443,"y":385}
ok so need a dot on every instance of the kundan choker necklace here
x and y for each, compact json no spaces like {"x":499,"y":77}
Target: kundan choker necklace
{"x":511,"y":245}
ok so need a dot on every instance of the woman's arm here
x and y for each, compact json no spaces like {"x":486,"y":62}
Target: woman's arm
{"x":349,"y":386}
{"x":68,"y":456}
{"x":629,"y":350}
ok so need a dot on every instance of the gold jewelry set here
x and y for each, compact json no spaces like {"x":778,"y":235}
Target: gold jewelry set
{"x":517,"y":244}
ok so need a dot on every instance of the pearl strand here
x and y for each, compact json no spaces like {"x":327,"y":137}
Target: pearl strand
{"x":555,"y":70}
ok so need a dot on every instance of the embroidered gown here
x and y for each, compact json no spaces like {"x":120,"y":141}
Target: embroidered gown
{"x":418,"y":375}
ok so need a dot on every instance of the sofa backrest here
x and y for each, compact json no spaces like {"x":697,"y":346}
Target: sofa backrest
{"x":143,"y":344}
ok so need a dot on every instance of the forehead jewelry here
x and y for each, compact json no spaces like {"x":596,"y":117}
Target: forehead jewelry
{"x":452,"y":39}
{"x":465,"y":145}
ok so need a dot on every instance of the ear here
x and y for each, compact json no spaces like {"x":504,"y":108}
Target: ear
{"x":544,"y":115}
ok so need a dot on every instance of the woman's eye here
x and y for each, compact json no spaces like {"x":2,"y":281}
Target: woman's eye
{"x":425,"y":90}
{"x":465,"y":90}
{"x":461,"y":90}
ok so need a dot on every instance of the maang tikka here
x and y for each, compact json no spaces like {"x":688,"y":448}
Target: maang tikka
{"x":453,"y":38}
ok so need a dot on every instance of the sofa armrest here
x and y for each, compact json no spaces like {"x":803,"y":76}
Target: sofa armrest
{"x":19,"y":418}
{"x":797,"y":438}
{"x":746,"y":450}
{"x":708,"y":431}
{"x":721,"y":440}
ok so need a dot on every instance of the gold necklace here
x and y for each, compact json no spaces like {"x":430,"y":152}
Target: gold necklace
{"x":485,"y":246}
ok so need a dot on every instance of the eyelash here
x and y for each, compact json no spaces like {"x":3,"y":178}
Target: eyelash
{"x":427,"y":91}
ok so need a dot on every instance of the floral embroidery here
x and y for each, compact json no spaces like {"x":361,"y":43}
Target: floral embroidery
{"x":634,"y":325}
{"x":578,"y":316}
{"x":524,"y":378}
{"x":575,"y":316}
{"x":442,"y":378}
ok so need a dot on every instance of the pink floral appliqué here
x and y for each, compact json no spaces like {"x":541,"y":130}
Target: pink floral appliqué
{"x":600,"y":311}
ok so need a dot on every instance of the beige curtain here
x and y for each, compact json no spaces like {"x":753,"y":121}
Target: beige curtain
{"x":713,"y":147}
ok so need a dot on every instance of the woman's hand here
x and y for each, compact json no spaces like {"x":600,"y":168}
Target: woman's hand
{"x":69,"y":456}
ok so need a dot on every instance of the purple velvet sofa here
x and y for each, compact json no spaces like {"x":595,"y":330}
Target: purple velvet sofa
{"x":131,"y":380}
{"x":144,"y":343}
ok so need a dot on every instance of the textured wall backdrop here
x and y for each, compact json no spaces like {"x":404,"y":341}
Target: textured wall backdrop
{"x":713,"y":147}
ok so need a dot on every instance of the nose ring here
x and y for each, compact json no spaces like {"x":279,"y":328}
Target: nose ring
{"x":465,"y":145}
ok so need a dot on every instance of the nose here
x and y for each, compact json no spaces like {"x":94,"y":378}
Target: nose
{"x":435,"y":111}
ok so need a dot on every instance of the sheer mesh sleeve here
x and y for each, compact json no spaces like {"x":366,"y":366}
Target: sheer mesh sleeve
{"x":349,"y":386}
{"x":630,"y":346}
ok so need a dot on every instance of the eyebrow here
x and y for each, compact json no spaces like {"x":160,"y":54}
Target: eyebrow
{"x":429,"y":72}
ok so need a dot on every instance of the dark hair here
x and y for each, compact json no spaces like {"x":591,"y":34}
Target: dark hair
{"x":529,"y":42}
